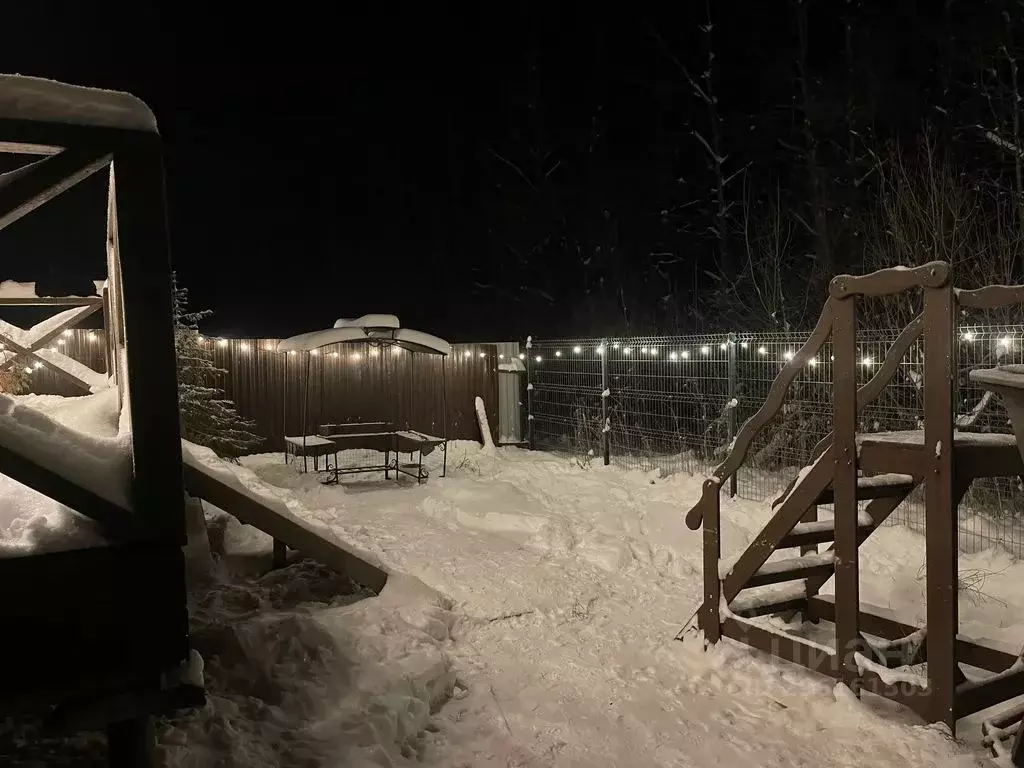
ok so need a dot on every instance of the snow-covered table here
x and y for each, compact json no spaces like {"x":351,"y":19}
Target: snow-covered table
{"x":387,"y":441}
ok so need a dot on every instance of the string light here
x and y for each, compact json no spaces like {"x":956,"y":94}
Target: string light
{"x":334,"y":354}
{"x":314,"y":352}
{"x":615,"y":345}
{"x":67,"y":332}
{"x":558,"y":353}
{"x":222,"y":342}
{"x":201,"y":339}
{"x":744,"y":344}
{"x":1006,"y":341}
{"x":686,"y":354}
{"x":762,"y":351}
{"x":723,"y":345}
{"x":627,"y":351}
{"x":866,"y":361}
{"x":374,"y":351}
{"x":501,"y":356}
{"x":292,"y":352}
{"x":643,"y":351}
{"x":92,"y":335}
{"x":522,"y":356}
{"x":788,"y":355}
{"x":27,"y":369}
{"x":467,"y":353}
{"x":38,"y":366}
{"x":244,"y":346}
{"x":356,"y":357}
{"x":672,"y":355}
{"x":577,"y":350}
{"x":60,"y":342}
{"x":396,"y":350}
{"x":968,"y":336}
{"x":538,"y":358}
{"x":482,"y":354}
{"x":600,"y":350}
{"x":654,"y":352}
{"x":705,"y":351}
{"x":814,"y":361}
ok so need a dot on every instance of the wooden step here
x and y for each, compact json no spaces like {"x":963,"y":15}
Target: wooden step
{"x":875,"y":487}
{"x":868,"y":487}
{"x":792,"y":569}
{"x":821,"y":531}
{"x":789,"y":598}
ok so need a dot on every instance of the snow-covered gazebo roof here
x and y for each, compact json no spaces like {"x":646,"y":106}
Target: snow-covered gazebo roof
{"x":48,"y":101}
{"x":368,"y":328}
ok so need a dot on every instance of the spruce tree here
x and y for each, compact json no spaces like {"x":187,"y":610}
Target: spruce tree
{"x":208,"y":418}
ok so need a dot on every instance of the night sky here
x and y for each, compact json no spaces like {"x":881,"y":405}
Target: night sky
{"x":325,"y":164}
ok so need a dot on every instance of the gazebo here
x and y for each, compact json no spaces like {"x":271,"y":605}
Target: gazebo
{"x":384,"y":436}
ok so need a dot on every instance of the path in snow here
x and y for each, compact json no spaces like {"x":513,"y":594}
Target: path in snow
{"x":564,"y":588}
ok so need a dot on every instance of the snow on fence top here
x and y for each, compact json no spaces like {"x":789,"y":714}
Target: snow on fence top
{"x":12,"y":289}
{"x":48,"y":101}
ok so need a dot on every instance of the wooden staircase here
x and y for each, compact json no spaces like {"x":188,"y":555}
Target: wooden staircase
{"x":865,"y":477}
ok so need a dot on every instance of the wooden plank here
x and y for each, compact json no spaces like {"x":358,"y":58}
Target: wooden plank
{"x":47,"y":337}
{"x":806,"y":535}
{"x":781,"y":523}
{"x":844,"y":488}
{"x":51,"y":301}
{"x":884,"y":282}
{"x":879,"y":621}
{"x":781,"y":646}
{"x":708,"y":616}
{"x":116,"y":522}
{"x":973,"y":697}
{"x":990,"y":297}
{"x":940,"y":511}
{"x":913,"y":697}
{"x":286,"y":531}
{"x":866,"y":492}
{"x":145,"y":282}
{"x":46,"y":180}
{"x":878,"y":457}
{"x":24,"y":352}
{"x":91,"y":620}
{"x":779,"y":571}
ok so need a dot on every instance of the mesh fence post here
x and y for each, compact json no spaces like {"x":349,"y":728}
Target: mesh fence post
{"x":731,"y":405}
{"x":606,"y":426}
{"x":529,"y":391}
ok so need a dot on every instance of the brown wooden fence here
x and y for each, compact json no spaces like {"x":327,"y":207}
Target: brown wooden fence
{"x":345,"y":383}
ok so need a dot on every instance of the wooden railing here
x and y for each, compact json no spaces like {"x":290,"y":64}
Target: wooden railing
{"x":881,"y":283}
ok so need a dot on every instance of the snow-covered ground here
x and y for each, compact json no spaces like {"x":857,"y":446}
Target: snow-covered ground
{"x":529,"y":620}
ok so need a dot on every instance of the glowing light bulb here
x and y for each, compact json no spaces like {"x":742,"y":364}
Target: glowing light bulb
{"x":201,"y":339}
{"x":374,"y":351}
{"x":482,"y":354}
{"x":522,"y":356}
{"x":1006,"y":341}
{"x":396,"y":350}
{"x":292,"y":352}
{"x":686,"y":354}
{"x":27,"y":369}
{"x":600,"y":350}
{"x":654,"y":353}
{"x":558,"y":353}
{"x":500,"y":356}
{"x":467,"y":354}
{"x":356,"y":357}
{"x":627,"y":351}
{"x":968,"y":336}
{"x":744,"y":344}
{"x":314,"y":352}
{"x":672,"y":356}
{"x":334,"y":354}
{"x":577,"y":350}
{"x":813,"y":362}
{"x":92,"y":335}
{"x":244,"y":346}
{"x":787,"y":355}
{"x":762,"y":351}
{"x":705,"y":351}
{"x":222,"y":342}
{"x":866,"y":361}
{"x":38,"y":366}
{"x":723,"y":345}
{"x":538,"y":358}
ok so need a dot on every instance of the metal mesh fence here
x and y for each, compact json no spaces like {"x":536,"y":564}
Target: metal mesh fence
{"x":675,"y":403}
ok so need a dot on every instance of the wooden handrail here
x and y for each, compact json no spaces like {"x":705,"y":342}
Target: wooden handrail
{"x":872,"y":389}
{"x":768,"y":410}
{"x":990,"y":297}
{"x":884,"y":282}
